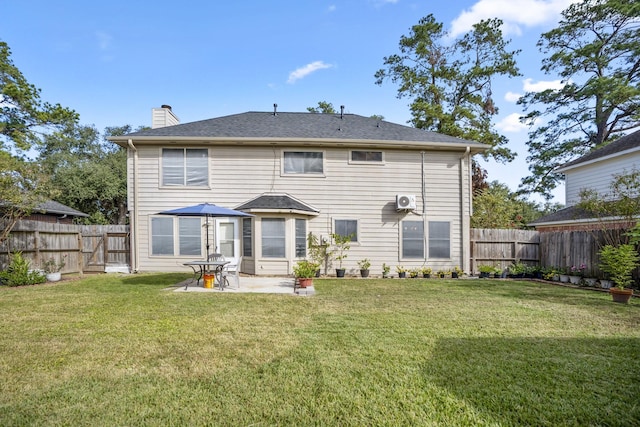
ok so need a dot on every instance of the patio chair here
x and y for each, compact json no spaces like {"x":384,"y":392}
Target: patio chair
{"x":216,"y":257}
{"x":232,"y":271}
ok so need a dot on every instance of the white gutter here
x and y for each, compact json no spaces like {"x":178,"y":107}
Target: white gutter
{"x":134,"y":219}
{"x":464,"y":222}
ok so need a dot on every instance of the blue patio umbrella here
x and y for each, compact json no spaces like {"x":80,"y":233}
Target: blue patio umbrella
{"x":207,"y":210}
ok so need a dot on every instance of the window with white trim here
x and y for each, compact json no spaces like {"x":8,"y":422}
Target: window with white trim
{"x":439,"y":239}
{"x":346,"y":227}
{"x":176,"y":236}
{"x":412,"y":239}
{"x":273,"y":238}
{"x":247,"y":231}
{"x":359,"y":156}
{"x":301,"y":238}
{"x":303,"y":162}
{"x":185,"y":167}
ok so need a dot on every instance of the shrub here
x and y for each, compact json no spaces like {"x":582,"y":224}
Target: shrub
{"x":19,"y":272}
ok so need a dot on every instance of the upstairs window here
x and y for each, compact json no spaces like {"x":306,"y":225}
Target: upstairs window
{"x":347,"y":227}
{"x":185,"y":167}
{"x":303,"y":162}
{"x":366,"y":156}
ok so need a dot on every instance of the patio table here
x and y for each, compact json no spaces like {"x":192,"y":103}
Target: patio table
{"x":200,"y":267}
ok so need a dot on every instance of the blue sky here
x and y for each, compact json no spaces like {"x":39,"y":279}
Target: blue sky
{"x":114,"y":61}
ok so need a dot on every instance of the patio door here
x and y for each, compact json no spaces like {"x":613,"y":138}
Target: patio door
{"x":228,"y":238}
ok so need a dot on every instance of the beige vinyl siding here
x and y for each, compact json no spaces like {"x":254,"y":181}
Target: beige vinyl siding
{"x":364,"y":192}
{"x":597,"y":176}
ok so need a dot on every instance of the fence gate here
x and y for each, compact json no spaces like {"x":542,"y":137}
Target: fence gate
{"x":103,"y":247}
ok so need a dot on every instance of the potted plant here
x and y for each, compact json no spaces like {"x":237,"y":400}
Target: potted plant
{"x":414,"y":272}
{"x":305,"y":271}
{"x":619,"y":262}
{"x":52,"y":269}
{"x":486,"y":270}
{"x":385,"y":270}
{"x":343,"y":244}
{"x":426,"y":272}
{"x":402,"y":272}
{"x":575,"y":273}
{"x":318,"y":251}
{"x":517,"y":269}
{"x":456,"y":272}
{"x":364,"y":265}
{"x":442,"y":273}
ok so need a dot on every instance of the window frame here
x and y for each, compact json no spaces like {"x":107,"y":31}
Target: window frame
{"x":177,"y":238}
{"x":185,"y":169}
{"x":421,"y":239}
{"x":367,"y":162}
{"x":247,"y":237}
{"x":283,"y":161}
{"x":432,"y":240}
{"x":283,"y":238}
{"x":355,"y":240}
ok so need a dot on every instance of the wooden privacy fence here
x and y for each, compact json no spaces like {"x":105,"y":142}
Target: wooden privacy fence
{"x":502,"y":247}
{"x":83,"y":248}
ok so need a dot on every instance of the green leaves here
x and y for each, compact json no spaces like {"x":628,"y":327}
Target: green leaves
{"x":449,"y":84}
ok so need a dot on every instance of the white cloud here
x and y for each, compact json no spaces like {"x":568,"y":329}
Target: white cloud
{"x":306,"y":70}
{"x":514,"y":14}
{"x":512,"y":96}
{"x":511,"y":123}
{"x":530,"y":86}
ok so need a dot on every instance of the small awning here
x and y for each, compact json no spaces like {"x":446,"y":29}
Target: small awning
{"x":278,"y":203}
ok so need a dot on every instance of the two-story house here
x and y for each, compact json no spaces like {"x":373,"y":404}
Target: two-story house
{"x":593,"y":171}
{"x":403,"y":194}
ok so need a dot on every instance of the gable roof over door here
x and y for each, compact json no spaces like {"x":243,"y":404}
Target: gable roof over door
{"x":265,"y":127}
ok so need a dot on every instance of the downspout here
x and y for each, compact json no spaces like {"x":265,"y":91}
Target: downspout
{"x":134,"y":220}
{"x":424,"y":210}
{"x":464,"y":222}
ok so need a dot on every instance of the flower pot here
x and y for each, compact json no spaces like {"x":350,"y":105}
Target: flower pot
{"x":564,"y":278}
{"x":621,"y":295}
{"x":605,"y":284}
{"x":305,"y":282}
{"x":484,"y":275}
{"x":54,"y":277}
{"x":454,"y":275}
{"x":574,"y":280}
{"x":590,"y":281}
{"x":426,"y":276}
{"x":364,"y":273}
{"x":340,"y":272}
{"x":402,"y":275}
{"x":318,"y":273}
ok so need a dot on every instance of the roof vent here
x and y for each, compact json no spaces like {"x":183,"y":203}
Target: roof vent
{"x":341,"y":111}
{"x":275,"y":109}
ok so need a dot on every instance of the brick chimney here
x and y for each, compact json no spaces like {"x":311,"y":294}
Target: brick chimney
{"x":163,"y":116}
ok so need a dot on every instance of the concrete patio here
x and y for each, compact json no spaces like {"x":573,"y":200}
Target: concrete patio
{"x":251,"y":284}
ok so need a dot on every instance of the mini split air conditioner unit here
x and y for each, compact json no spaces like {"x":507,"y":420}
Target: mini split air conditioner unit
{"x":405,"y":202}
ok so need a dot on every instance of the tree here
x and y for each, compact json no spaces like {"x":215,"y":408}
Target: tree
{"x":496,"y":206}
{"x":596,"y":51}
{"x":449,"y":84}
{"x":23,"y":115}
{"x":89,"y":171}
{"x":323,"y":107}
{"x":23,"y":120}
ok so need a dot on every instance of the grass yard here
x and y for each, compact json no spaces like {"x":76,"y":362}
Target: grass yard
{"x":122,"y":350}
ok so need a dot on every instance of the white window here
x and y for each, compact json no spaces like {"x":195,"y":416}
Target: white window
{"x":163,"y":236}
{"x":303,"y":162}
{"x":412,"y":239}
{"x":358,"y":156}
{"x":185,"y":167}
{"x":439,"y":239}
{"x":247,"y":238}
{"x":301,"y":238}
{"x":273,"y":238}
{"x":347,"y":227}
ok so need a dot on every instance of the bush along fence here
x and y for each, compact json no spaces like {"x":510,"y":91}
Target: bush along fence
{"x":68,"y":247}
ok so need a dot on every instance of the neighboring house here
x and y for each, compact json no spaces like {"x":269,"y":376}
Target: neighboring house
{"x":594,"y":171}
{"x":51,"y":211}
{"x":404,"y":193}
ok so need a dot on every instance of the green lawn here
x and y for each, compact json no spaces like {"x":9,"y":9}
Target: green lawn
{"x":122,"y":350}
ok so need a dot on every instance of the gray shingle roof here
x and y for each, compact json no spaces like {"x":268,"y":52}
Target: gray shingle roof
{"x":53,"y":207}
{"x":571,"y":213}
{"x":299,"y":126}
{"x":627,"y":142}
{"x":276,"y":202}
